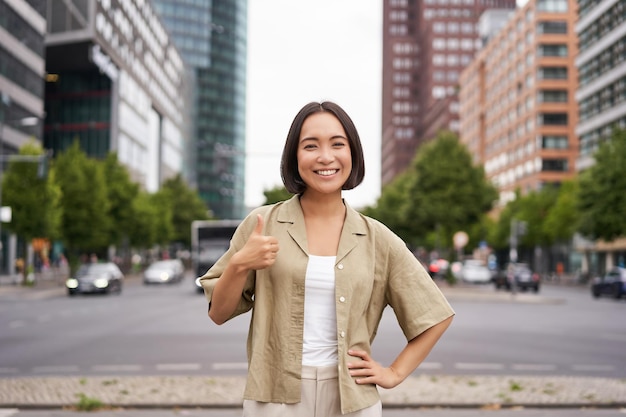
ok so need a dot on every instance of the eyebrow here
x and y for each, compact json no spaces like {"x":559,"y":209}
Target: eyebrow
{"x":316,"y":138}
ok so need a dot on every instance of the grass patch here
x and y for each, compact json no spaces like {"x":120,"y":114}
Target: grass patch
{"x":86,"y":403}
{"x":515,"y":386}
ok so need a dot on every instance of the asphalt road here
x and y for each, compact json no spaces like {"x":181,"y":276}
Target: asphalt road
{"x":162,"y":330}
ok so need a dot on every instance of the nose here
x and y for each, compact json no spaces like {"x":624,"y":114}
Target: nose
{"x":326,"y":154}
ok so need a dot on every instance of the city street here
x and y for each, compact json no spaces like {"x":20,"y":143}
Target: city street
{"x":164,"y":330}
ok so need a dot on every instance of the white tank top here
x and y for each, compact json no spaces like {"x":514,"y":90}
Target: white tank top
{"x":320,"y":316}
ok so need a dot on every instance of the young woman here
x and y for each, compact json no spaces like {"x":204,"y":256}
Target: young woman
{"x":317,"y":276}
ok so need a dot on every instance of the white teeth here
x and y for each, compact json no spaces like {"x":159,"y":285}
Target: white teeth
{"x":327,"y":172}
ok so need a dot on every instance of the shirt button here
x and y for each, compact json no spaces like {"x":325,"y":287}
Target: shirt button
{"x":342,"y":334}
{"x":342,"y":299}
{"x":340,"y":266}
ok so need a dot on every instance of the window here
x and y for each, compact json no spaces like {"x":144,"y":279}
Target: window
{"x":553,"y":119}
{"x":552,"y":27}
{"x":439,"y":92}
{"x":552,"y":6}
{"x":439,"y":43}
{"x":553,"y":50}
{"x":553,"y":96}
{"x":554,"y":142}
{"x":555,"y":165}
{"x":552,"y":73}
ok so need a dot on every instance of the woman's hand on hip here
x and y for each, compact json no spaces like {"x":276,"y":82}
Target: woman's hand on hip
{"x":367,"y":371}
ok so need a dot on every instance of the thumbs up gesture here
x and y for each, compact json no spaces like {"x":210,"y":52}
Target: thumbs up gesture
{"x":260,"y":251}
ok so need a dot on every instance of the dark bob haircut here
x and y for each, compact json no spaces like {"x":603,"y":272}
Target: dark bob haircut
{"x":289,"y":161}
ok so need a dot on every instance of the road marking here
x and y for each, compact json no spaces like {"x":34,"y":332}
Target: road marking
{"x":7,"y":412}
{"x":229,"y":366}
{"x":533,"y":367}
{"x":178,"y":366}
{"x":593,"y":368}
{"x":431,"y":365}
{"x":55,"y":369}
{"x":116,"y":368}
{"x":8,"y":370}
{"x":17,"y":323}
{"x":479,"y":366}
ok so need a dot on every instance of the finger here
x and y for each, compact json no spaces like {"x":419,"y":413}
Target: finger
{"x":359,"y":353}
{"x":259,"y":225}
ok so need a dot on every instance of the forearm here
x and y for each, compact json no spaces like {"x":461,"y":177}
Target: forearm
{"x":227,"y":292}
{"x":417,"y":350}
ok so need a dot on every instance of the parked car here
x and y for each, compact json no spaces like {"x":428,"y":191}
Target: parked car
{"x":612,"y":284}
{"x":475,"y":271}
{"x":103,"y":277}
{"x":164,"y":272}
{"x":519,"y":275}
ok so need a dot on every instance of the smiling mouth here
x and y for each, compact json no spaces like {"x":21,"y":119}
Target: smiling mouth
{"x":327,"y":172}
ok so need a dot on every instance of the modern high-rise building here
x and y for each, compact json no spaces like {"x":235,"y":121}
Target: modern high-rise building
{"x":116,"y":83}
{"x":22,"y":71}
{"x":426,"y":45}
{"x":601,"y":96}
{"x":601,"y":62}
{"x":518,"y":110}
{"x":212,"y":38}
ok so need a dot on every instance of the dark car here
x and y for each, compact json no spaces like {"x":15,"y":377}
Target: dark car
{"x":164,"y":272}
{"x":104,"y":277}
{"x":612,"y":284}
{"x":519,"y":275}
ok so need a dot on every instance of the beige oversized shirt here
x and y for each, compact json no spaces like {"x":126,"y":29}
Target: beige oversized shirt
{"x":373,"y":269}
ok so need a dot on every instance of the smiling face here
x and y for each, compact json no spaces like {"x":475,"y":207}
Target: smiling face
{"x":324,"y":156}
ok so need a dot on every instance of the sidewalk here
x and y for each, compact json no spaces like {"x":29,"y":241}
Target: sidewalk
{"x":226,"y":392}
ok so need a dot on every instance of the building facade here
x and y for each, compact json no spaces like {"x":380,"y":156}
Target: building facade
{"x":518,"y":109}
{"x":22,"y":71}
{"x":212,"y":38}
{"x":601,"y":94}
{"x":116,"y":83}
{"x":426,"y":45}
{"x":601,"y":28}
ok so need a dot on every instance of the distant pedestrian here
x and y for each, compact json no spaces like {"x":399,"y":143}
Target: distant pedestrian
{"x":318,"y":276}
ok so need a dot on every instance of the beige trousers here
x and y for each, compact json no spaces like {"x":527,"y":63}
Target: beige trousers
{"x":320,"y":398}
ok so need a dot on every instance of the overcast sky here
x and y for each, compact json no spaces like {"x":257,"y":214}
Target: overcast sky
{"x":302,"y":51}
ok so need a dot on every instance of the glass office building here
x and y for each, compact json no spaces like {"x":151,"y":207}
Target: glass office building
{"x":22,"y":69}
{"x":212,"y":39}
{"x":116,"y":83}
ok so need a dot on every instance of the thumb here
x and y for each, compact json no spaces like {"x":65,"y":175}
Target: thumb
{"x":259,"y":225}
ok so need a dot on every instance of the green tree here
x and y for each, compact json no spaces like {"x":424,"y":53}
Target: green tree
{"x":164,"y":226}
{"x":276,"y":194}
{"x":602,"y":197}
{"x":185,"y":206}
{"x":449,"y":192}
{"x":34,"y":199}
{"x":563,"y":219}
{"x":143,"y":231}
{"x":85,"y":223}
{"x":389,"y":206}
{"x":121,"y":192}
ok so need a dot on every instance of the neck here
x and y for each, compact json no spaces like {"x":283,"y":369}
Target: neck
{"x":326,"y":205}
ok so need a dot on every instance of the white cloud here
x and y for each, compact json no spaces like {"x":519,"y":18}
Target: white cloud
{"x":311,"y":51}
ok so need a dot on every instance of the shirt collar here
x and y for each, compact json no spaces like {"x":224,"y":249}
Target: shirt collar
{"x":354,"y":225}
